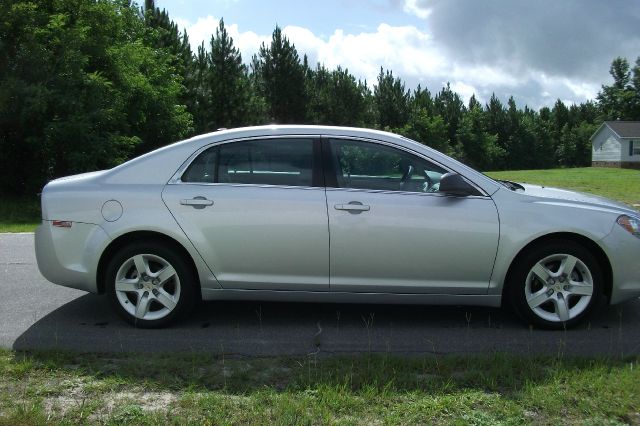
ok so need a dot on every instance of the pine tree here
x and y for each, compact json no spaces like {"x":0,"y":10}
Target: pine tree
{"x":496,"y":124}
{"x":165,"y":35}
{"x":422,"y":100}
{"x":336,"y":98}
{"x":450,"y":107}
{"x":200,"y":105}
{"x":476,"y":146}
{"x":392,"y":100}
{"x":473,"y":103}
{"x":280,"y":79}
{"x":227,"y":83}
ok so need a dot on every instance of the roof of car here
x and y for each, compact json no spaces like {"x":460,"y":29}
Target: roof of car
{"x":223,"y":134}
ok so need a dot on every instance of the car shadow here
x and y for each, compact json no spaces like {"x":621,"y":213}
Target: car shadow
{"x":88,"y":324}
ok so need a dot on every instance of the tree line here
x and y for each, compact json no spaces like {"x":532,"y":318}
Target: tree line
{"x":88,"y":84}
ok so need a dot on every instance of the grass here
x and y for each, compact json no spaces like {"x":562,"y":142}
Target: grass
{"x":67,"y":388}
{"x":617,"y":184}
{"x":19,"y":214}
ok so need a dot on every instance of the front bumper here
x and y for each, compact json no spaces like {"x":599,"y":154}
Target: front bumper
{"x":69,"y":256}
{"x":624,"y":254}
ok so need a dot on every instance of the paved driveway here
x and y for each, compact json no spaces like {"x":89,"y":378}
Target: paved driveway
{"x":35,"y":314}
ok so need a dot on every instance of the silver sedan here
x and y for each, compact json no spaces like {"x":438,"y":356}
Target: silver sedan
{"x":331,"y":214}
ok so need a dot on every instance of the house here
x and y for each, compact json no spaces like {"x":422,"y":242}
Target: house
{"x":616,"y":144}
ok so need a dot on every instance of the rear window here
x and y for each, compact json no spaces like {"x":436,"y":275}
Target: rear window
{"x":287,"y":162}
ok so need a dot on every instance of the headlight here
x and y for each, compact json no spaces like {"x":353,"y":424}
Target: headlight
{"x":630,"y":224}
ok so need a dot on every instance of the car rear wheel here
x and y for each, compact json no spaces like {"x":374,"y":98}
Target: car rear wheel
{"x":555,"y":285}
{"x":150,"y":285}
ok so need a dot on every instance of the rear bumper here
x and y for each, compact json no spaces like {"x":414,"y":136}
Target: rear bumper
{"x":69,"y":256}
{"x":624,"y":255}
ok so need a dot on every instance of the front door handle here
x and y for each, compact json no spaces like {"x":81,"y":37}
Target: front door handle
{"x":353,"y":206}
{"x":197,"y":202}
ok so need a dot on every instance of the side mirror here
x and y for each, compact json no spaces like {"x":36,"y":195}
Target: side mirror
{"x":454,"y":184}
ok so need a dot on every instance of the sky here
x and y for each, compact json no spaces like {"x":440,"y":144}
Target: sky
{"x":538,"y":51}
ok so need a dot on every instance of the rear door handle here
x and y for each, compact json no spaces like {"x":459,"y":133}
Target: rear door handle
{"x":197,"y":202}
{"x":353,"y":206}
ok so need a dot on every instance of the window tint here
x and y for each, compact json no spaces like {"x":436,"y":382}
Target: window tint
{"x":264,"y":162}
{"x":366,"y":165}
{"x":203,"y":168}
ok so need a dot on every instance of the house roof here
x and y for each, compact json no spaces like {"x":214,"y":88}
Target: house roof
{"x":622,"y":129}
{"x":625,"y":129}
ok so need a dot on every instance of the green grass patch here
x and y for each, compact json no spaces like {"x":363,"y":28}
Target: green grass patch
{"x":19,"y":214}
{"x":68,"y":388}
{"x":617,"y":184}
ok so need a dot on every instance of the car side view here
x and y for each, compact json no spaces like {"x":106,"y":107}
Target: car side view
{"x":330,"y":214}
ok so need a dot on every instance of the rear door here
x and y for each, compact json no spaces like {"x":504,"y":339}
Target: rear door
{"x":256,"y":211}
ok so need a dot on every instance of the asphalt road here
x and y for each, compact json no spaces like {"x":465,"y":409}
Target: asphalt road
{"x":35,"y":314}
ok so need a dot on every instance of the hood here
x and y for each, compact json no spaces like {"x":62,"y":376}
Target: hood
{"x":564,"y":196}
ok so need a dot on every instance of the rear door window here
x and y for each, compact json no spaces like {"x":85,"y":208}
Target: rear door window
{"x":285,"y":162}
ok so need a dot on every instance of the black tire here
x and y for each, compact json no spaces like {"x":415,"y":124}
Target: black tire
{"x":560,"y":307}
{"x":166,"y":302}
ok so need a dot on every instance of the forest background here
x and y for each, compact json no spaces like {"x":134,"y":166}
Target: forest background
{"x":88,"y":84}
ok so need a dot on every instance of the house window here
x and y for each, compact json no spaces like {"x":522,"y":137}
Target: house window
{"x":636,"y":147}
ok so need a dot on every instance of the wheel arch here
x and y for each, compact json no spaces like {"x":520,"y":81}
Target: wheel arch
{"x":586,"y":242}
{"x":130,"y":237}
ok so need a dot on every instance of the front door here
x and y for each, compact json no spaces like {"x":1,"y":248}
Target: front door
{"x":391,"y":231}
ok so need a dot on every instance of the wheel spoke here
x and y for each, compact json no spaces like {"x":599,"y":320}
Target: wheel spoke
{"x":568,"y":264}
{"x":541,"y":272}
{"x":580,"y":289}
{"x":538,"y":298}
{"x":562,"y":307}
{"x":166,"y":274}
{"x":141,"y":265}
{"x":127,"y":285}
{"x":166,"y":299}
{"x":143,"y":305}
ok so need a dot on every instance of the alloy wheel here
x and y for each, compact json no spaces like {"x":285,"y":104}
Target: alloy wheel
{"x":559,"y":288}
{"x":147,"y":287}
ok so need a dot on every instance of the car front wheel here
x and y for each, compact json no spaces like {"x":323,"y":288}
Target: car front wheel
{"x":555,"y":285}
{"x":149,"y":285}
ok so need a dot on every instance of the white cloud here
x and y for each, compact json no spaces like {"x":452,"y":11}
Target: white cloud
{"x":465,"y":91}
{"x":205,"y":27}
{"x":248,"y":42}
{"x":583,"y":90}
{"x":200,"y":31}
{"x":405,"y":50}
{"x":411,"y":7}
{"x":304,"y":40}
